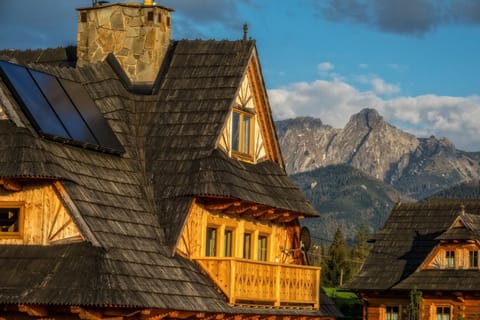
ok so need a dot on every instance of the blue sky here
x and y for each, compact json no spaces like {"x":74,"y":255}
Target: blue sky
{"x":415,"y":61}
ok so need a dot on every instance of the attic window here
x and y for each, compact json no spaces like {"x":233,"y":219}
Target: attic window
{"x":450,"y":259}
{"x":11,"y":219}
{"x":60,"y":109}
{"x":242,"y":135}
{"x":473,"y":259}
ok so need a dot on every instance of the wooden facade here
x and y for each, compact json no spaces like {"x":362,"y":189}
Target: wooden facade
{"x":44,"y":220}
{"x":431,"y":248}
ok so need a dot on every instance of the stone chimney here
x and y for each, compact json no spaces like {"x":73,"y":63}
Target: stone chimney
{"x":137,"y":34}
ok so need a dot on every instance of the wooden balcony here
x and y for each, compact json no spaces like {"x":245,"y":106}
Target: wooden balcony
{"x":256,"y":283}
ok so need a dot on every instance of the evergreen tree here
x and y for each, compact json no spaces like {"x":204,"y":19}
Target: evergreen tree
{"x":336,"y":268}
{"x":360,"y":249}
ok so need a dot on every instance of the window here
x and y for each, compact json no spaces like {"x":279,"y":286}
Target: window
{"x":211,"y":247}
{"x":262,"y":248}
{"x":391,"y":313}
{"x":247,"y":246}
{"x":473,"y":258}
{"x":11,"y":220}
{"x":242,"y":133}
{"x":450,"y":259}
{"x":443,"y":313}
{"x":227,"y":240}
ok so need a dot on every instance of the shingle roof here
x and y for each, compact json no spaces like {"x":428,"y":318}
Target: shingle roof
{"x":134,"y":205}
{"x":410,"y":234}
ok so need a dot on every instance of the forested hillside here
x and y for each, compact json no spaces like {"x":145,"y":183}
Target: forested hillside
{"x":345,"y":198}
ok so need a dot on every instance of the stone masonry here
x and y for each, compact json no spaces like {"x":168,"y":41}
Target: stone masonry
{"x":137,"y":34}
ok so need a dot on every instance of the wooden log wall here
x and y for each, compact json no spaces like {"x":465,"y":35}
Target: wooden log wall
{"x":44,"y":219}
{"x":464,"y":306}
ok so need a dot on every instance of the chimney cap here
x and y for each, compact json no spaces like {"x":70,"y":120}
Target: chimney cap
{"x":122,"y":4}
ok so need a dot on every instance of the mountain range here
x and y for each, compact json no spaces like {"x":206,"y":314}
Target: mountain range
{"x":368,"y":151}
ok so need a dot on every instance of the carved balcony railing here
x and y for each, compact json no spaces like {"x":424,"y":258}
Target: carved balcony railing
{"x":248,"y":282}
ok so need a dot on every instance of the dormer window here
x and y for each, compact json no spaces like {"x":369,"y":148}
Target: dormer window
{"x":242,"y":134}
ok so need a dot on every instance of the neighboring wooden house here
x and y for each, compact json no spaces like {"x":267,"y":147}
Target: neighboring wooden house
{"x":430,"y":248}
{"x":147,"y":181}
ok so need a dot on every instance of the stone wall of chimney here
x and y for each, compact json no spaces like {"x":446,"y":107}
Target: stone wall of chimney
{"x":138,"y":35}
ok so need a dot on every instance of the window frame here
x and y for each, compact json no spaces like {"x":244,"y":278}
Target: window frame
{"x":390,"y":310}
{"x":241,"y":154}
{"x":262,"y":253}
{"x":250,"y":245}
{"x":442,"y":313}
{"x":473,"y":257}
{"x":20,"y":205}
{"x":208,"y":242}
{"x":228,"y":249}
{"x":450,"y":259}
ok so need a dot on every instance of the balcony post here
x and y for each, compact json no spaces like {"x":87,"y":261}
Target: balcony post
{"x":277,"y":285}
{"x":232,"y":281}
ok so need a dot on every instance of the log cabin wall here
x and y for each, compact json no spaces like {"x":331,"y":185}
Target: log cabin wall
{"x":43,"y":219}
{"x":458,"y":306}
{"x":193,"y":239}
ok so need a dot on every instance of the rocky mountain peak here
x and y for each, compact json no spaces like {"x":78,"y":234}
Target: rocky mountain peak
{"x":366,"y":117}
{"x":372,"y":145}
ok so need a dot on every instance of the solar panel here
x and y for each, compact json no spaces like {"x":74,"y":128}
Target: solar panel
{"x":63,"y":107}
{"x":91,"y":115}
{"x":60,"y":109}
{"x":32,"y":100}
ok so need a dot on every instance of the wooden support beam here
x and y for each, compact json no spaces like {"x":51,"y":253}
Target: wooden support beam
{"x":185,"y":314}
{"x":85,"y":314}
{"x":11,"y":185}
{"x":270,"y":216}
{"x":33,"y":310}
{"x":240,"y":209}
{"x":259,"y":212}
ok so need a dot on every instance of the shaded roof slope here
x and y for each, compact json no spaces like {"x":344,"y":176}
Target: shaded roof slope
{"x":408,"y":237}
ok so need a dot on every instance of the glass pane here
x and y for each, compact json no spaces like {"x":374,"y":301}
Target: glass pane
{"x":32,"y":100}
{"x":211,"y":246}
{"x":63,"y":107}
{"x":9,"y":219}
{"x":228,"y":243}
{"x":235,"y":131}
{"x":246,"y":134}
{"x":91,"y":115}
{"x":262,"y":248}
{"x":247,"y":245}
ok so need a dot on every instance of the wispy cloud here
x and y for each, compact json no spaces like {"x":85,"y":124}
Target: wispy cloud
{"x":401,"y":16}
{"x":334,"y":101}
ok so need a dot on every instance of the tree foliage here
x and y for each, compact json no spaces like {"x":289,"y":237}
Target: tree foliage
{"x":336,"y":267}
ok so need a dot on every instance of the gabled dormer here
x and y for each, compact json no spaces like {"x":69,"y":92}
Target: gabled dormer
{"x":249,"y":133}
{"x":459,"y":245}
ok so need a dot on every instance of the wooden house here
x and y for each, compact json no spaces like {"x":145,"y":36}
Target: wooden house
{"x":141,"y":178}
{"x":424,"y":264}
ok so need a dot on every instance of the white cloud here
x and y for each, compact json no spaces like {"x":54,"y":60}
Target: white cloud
{"x":334,"y":101}
{"x":325,"y":66}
